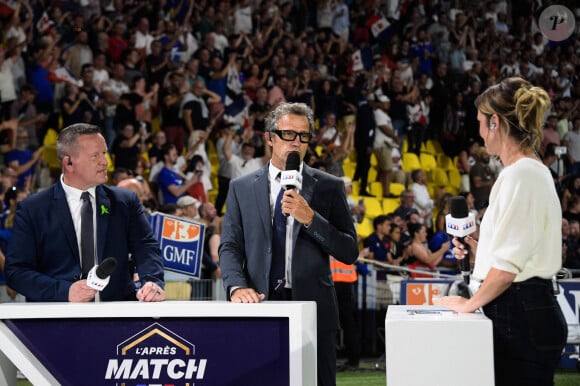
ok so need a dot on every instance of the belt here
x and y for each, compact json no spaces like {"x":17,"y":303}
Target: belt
{"x":538,"y":281}
{"x":532,"y":281}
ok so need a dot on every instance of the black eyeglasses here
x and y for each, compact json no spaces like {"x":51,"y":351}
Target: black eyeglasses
{"x":289,"y":135}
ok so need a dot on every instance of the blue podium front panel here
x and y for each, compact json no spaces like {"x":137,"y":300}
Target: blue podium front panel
{"x":165,"y":351}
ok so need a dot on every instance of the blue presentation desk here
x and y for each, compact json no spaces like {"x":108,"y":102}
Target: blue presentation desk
{"x":167,"y":343}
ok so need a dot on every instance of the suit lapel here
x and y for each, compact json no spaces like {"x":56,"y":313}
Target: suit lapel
{"x":103,"y":214}
{"x":68,"y":227}
{"x":308,"y":184}
{"x":262,"y":193}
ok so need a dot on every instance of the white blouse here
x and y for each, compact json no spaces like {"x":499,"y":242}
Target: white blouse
{"x":521,"y":231}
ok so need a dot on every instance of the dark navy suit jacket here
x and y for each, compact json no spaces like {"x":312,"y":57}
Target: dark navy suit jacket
{"x":43,"y":258}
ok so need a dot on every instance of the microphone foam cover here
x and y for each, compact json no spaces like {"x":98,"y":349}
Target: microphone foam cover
{"x":106,"y":268}
{"x":458,"y":207}
{"x":293,"y":161}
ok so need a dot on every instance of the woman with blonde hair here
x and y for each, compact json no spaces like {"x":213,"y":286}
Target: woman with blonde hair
{"x":520,"y":241}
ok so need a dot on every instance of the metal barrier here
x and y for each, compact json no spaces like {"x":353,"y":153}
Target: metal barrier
{"x":377,"y":289}
{"x":193,"y":289}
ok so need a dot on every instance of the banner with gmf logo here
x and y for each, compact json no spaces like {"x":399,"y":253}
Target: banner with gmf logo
{"x":181,"y":243}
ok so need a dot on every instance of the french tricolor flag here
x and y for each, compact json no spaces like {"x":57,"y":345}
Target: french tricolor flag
{"x":362,"y":59}
{"x":378,"y":26}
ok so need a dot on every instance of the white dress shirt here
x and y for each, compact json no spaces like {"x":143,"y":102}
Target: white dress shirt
{"x":73,"y":198}
{"x":275,"y":186}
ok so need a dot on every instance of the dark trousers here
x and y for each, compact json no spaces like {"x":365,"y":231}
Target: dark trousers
{"x":345,"y":298}
{"x":415,"y":137}
{"x":363,"y":164}
{"x":326,"y":357}
{"x":325,"y":342}
{"x":223,"y":187}
{"x":5,"y":110}
{"x":529,"y":334}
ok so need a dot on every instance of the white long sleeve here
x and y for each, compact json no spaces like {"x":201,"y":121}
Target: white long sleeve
{"x":521,"y":230}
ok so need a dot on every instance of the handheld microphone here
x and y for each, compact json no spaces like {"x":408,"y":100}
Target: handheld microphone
{"x":99,"y":275}
{"x":291,"y":177}
{"x":460,"y":223}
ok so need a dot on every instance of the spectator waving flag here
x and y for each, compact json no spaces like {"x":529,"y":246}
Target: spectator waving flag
{"x":362,"y":59}
{"x":379,"y":27}
{"x":44,"y":23}
{"x":357,"y":64}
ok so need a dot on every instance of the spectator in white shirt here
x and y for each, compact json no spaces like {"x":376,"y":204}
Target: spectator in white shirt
{"x":244,"y":163}
{"x":243,"y":17}
{"x":423,"y":201}
{"x":340,"y":20}
{"x":143,"y":38}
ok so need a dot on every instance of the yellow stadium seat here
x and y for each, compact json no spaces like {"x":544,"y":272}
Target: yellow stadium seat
{"x":365,"y":228}
{"x":356,"y":187}
{"x":49,"y":145}
{"x":445,"y":162}
{"x":390,"y":205}
{"x":410,"y":162}
{"x":348,"y":169}
{"x":111,"y":163}
{"x":454,"y":180}
{"x":440,"y":177}
{"x":212,"y":195}
{"x":351,"y":156}
{"x":431,"y":188}
{"x":319,"y":150}
{"x":433,"y":147}
{"x":372,"y":176}
{"x":155,"y":125}
{"x":145,"y":156}
{"x":211,"y":147}
{"x":214,"y":167}
{"x":376,"y":188}
{"x":396,"y":188}
{"x":428,"y":162}
{"x":373,"y":160}
{"x":373,"y":207}
{"x":452,"y":190}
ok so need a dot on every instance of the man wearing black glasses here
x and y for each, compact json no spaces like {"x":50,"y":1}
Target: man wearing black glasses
{"x":317,"y":225}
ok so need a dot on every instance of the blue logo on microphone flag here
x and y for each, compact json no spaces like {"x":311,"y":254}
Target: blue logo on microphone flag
{"x":181,"y":242}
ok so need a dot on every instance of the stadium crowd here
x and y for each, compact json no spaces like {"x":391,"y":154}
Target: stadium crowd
{"x":181,"y":90}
